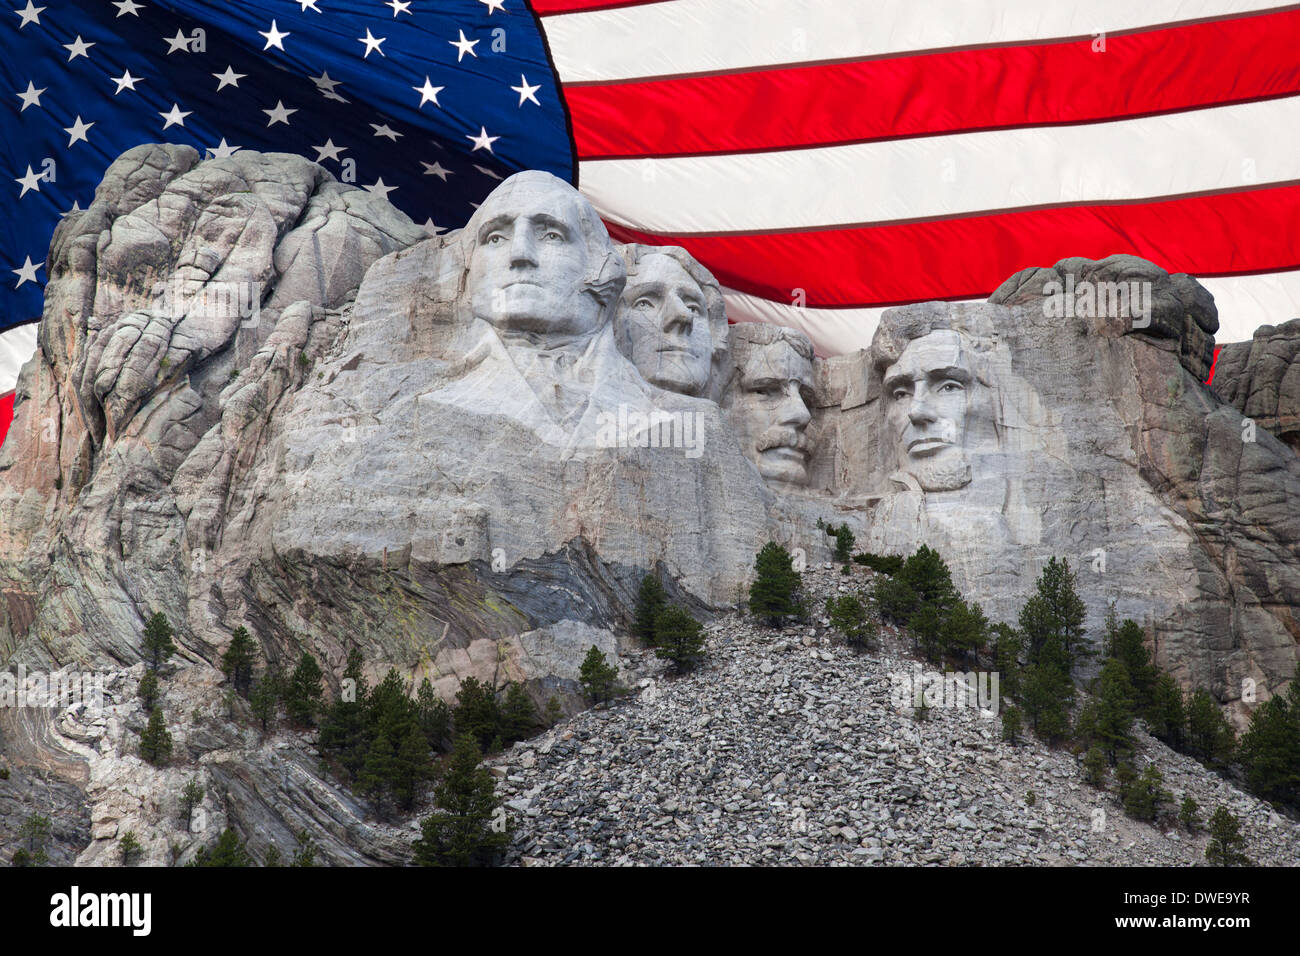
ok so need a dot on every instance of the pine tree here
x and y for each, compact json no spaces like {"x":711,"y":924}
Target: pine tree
{"x":129,"y":847}
{"x":412,"y":766}
{"x":650,"y":600}
{"x":519,"y":717}
{"x":434,"y":715}
{"x":155,"y":741}
{"x":302,"y":697}
{"x":1126,"y":642}
{"x":1006,"y":658}
{"x":554,"y":711}
{"x":148,"y":690}
{"x":1048,"y":692}
{"x":681,"y":641}
{"x":967,"y":630}
{"x":344,"y":729}
{"x":477,"y":712}
{"x":1167,"y":715}
{"x":305,"y":854}
{"x":854,"y":619}
{"x":469,"y":828}
{"x":1189,"y":814}
{"x":229,"y":850}
{"x":1114,"y":707}
{"x":158,"y":644}
{"x":1227,"y":845}
{"x":775,"y":591}
{"x":1209,"y":735}
{"x":1143,"y":795}
{"x":379,"y":770}
{"x":1010,"y":725}
{"x":265,"y":698}
{"x":1054,"y":611}
{"x":237,"y":661}
{"x":1094,"y":766}
{"x":597,"y":676}
{"x":1270,"y":747}
{"x":191,"y":797}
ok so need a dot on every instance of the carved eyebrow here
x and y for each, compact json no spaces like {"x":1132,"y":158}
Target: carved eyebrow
{"x":954,"y":372}
{"x":551,"y":222}
{"x":896,"y":380}
{"x":764,"y":381}
{"x":496,"y":222}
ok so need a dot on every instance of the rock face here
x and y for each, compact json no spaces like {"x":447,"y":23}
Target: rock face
{"x":263,"y":398}
{"x":1261,"y":379}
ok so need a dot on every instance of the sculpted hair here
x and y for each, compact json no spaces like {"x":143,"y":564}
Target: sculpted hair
{"x":900,"y":328}
{"x":605,"y":273}
{"x":747,"y":336}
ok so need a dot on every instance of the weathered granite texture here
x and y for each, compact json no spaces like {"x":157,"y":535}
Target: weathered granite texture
{"x":1261,"y":379}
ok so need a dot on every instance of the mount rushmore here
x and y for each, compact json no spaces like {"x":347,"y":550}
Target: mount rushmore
{"x":265,"y":398}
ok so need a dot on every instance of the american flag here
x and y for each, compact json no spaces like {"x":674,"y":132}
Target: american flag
{"x":824,"y":158}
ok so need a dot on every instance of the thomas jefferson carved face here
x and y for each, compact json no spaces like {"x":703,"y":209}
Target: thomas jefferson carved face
{"x":927,"y":392}
{"x":663,"y":326}
{"x":769,"y":401}
{"x":531,"y":257}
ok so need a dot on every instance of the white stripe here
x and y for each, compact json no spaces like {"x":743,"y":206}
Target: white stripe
{"x":935,"y":176}
{"x":16,"y":347}
{"x":1244,"y":302}
{"x":695,"y":36}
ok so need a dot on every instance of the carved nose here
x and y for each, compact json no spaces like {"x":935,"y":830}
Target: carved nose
{"x":793,"y":411}
{"x":523,"y":250}
{"x":676,"y":316}
{"x":920,"y":412}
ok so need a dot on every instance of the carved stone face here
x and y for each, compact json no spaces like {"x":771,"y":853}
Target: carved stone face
{"x":927,"y":392}
{"x":529,"y":260}
{"x":663,"y":326}
{"x":769,"y":409}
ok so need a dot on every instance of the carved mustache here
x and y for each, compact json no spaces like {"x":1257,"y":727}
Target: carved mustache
{"x":782,"y":436}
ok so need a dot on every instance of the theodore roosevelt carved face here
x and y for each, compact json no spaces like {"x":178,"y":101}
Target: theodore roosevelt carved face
{"x":770,"y":397}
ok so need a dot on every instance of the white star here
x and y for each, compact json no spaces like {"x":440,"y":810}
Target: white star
{"x":329,"y":151}
{"x":279,"y":114}
{"x":76,"y":207}
{"x":179,"y":42}
{"x":464,"y":46}
{"x":428,"y":93}
{"x":128,"y":6}
{"x":77,"y":47}
{"x":229,"y":78}
{"x":494,"y":5}
{"x":30,"y":15}
{"x":525,"y":91}
{"x":77,"y":131}
{"x":30,"y":181}
{"x":399,"y":7}
{"x":274,"y":38}
{"x":433,"y":228}
{"x":28,"y":272}
{"x":487,"y":172}
{"x":435,"y":169}
{"x":126,"y":82}
{"x":176,"y":117}
{"x":379,"y":189}
{"x":308,"y":5}
{"x":224,"y":151}
{"x":372,"y":43}
{"x":385,"y":131}
{"x":482,"y":140}
{"x":32,"y":97}
{"x":323,"y":82}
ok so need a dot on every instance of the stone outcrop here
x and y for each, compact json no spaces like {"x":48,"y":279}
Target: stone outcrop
{"x":1261,"y":379}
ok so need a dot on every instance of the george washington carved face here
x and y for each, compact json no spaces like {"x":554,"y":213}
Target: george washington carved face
{"x":540,"y":259}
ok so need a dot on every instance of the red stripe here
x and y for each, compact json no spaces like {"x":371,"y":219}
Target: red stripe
{"x":1176,"y":68}
{"x":1230,"y":233}
{"x":548,"y":8}
{"x":6,"y":414}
